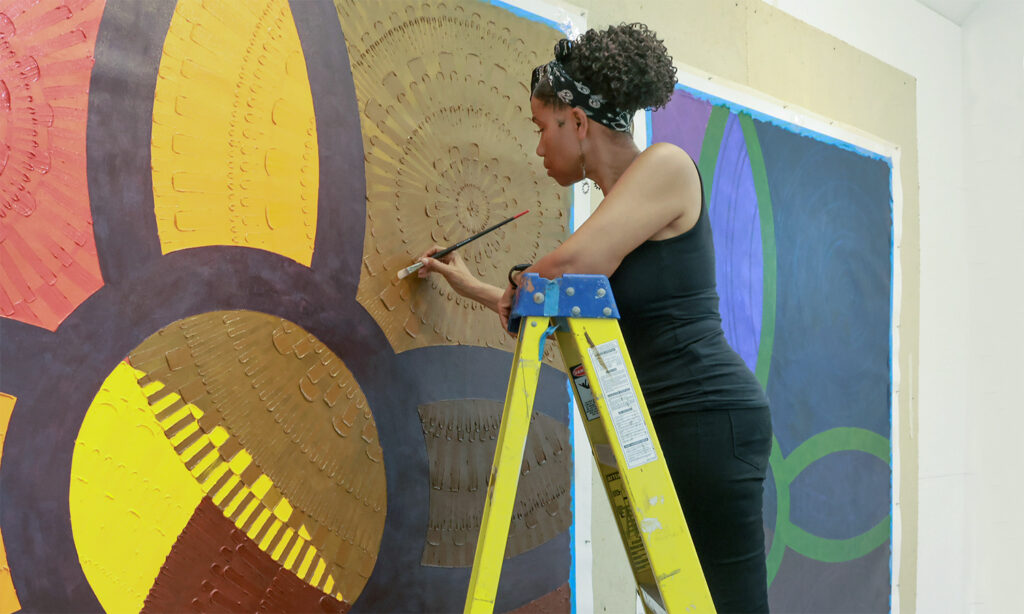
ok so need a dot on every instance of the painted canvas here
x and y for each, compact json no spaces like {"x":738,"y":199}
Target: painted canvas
{"x":215,"y":394}
{"x":803,"y":233}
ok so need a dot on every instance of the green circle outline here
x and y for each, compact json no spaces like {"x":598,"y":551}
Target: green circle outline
{"x":786,"y":469}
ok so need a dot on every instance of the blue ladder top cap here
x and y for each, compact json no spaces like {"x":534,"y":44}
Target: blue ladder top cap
{"x":568,"y":296}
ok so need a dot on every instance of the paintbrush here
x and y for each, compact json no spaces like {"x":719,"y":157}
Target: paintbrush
{"x":409,"y":270}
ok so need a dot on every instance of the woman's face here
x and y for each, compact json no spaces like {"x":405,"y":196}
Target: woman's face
{"x":558,"y":143}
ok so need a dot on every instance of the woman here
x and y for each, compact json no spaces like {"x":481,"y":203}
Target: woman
{"x":652,"y":238}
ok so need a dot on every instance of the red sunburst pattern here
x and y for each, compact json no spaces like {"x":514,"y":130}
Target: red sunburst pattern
{"x":47,"y":249}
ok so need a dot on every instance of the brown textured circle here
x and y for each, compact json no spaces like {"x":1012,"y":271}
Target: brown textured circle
{"x":291,"y":403}
{"x":449,"y":150}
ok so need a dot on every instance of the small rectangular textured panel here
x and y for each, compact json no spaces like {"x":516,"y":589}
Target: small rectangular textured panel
{"x":461,"y":437}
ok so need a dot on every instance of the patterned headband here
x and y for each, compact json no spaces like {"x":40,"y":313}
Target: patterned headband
{"x":576,"y":94}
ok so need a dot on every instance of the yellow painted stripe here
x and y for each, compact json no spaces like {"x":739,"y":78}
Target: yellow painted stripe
{"x":8,"y":596}
{"x":241,"y":502}
{"x":234,"y":147}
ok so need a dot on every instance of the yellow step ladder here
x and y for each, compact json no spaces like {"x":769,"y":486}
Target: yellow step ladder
{"x":580,"y":311}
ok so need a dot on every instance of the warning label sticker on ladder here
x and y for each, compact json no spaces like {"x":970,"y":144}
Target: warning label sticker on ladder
{"x":623,"y":405}
{"x":579,"y":380}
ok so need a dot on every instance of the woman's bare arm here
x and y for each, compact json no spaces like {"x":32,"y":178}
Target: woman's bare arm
{"x":660,"y":189}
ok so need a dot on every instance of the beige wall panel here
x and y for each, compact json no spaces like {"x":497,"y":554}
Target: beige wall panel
{"x":709,"y":34}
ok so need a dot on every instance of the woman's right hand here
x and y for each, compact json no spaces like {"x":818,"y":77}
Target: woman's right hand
{"x":453,"y":268}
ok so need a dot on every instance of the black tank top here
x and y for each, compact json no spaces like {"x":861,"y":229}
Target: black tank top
{"x":668,"y":302}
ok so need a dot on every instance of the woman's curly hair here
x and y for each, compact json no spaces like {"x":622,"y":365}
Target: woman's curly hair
{"x":627,"y":64}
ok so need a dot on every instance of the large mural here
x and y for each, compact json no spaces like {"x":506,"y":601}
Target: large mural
{"x":802,"y":225}
{"x":215,"y":394}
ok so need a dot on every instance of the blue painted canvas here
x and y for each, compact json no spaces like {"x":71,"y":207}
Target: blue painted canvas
{"x":802,"y":226}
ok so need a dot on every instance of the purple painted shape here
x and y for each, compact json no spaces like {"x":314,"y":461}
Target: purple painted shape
{"x":738,"y":254}
{"x":683,"y":122}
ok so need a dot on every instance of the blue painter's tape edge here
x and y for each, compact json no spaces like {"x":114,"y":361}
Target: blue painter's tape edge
{"x":781,"y":123}
{"x":551,"y":294}
{"x":650,"y":127}
{"x":518,"y":12}
{"x":572,"y":500}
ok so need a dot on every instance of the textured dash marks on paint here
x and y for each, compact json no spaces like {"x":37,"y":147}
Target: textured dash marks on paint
{"x":461,"y":438}
{"x":215,"y":567}
{"x":738,"y":253}
{"x":234,"y":150}
{"x":129,"y":495}
{"x":8,"y":595}
{"x":48,"y":263}
{"x":558,"y":601}
{"x":286,"y":416}
{"x":246,"y":495}
{"x":449,"y":150}
{"x":143,"y":468}
{"x":683,"y":122}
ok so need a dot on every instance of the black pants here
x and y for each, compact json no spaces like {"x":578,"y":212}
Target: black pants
{"x":718,"y":461}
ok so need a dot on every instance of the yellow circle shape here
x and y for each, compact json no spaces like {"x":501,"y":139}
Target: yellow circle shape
{"x":234,"y":146}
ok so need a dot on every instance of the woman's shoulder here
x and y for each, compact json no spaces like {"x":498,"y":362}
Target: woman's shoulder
{"x":668,"y":163}
{"x":669,"y":181}
{"x":666,"y":156}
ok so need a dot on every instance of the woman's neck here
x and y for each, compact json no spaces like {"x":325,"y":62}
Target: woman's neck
{"x":608,"y":158}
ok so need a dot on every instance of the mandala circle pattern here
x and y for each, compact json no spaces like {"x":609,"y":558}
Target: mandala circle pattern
{"x":449,"y":150}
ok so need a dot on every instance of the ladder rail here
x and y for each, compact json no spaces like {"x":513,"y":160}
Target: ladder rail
{"x":622,"y":437}
{"x":503,"y":481}
{"x":650,"y":517}
{"x":601,"y":450}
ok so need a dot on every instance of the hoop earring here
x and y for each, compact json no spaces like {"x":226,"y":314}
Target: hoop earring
{"x":583,"y":163}
{"x":583,"y":166}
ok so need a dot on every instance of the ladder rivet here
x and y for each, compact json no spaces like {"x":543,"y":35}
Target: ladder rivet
{"x":538,"y":297}
{"x":576,"y":311}
{"x":600,"y":293}
{"x":607,"y":311}
{"x":570,"y":291}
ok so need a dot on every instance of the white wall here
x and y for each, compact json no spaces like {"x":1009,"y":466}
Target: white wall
{"x":916,"y":40}
{"x":971,"y":142}
{"x":994,"y":165}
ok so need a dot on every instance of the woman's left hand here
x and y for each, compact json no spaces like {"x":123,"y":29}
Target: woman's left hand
{"x":505,"y":307}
